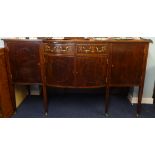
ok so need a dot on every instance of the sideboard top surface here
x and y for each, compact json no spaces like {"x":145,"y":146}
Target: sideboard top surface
{"x":84,"y":40}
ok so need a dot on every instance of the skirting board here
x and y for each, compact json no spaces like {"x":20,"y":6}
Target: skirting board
{"x":35,"y":90}
{"x":134,"y":100}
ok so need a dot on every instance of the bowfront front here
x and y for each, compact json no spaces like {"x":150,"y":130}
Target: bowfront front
{"x":76,"y":65}
{"x":94,"y":64}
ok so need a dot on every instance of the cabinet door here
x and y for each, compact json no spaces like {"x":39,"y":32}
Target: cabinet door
{"x":24,"y":61}
{"x":91,"y":71}
{"x":127,"y":60}
{"x":6,"y":105}
{"x":59,"y":70}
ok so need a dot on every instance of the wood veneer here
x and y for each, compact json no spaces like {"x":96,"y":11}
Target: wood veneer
{"x":6,"y":100}
{"x":79,"y":63}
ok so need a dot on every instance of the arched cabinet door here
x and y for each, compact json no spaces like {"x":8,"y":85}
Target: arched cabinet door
{"x":6,"y":105}
{"x":127,"y":63}
{"x":59,"y":70}
{"x":91,"y":71}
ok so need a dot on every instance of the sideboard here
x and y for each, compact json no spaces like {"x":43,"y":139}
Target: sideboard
{"x":79,"y":63}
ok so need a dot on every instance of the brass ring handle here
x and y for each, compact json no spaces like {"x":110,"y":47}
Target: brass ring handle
{"x":64,"y":50}
{"x":87,"y":51}
{"x":101,"y":50}
{"x":52,"y":50}
{"x":47,"y":48}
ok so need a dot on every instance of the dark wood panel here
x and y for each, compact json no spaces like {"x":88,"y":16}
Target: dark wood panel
{"x":6,"y":105}
{"x":59,"y":71}
{"x":91,"y":71}
{"x":24,"y":61}
{"x":127,"y":61}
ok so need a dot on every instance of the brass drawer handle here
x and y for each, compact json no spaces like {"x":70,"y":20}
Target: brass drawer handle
{"x":47,"y":48}
{"x":86,"y":50}
{"x":103,"y":48}
{"x":64,"y":50}
{"x":52,"y":50}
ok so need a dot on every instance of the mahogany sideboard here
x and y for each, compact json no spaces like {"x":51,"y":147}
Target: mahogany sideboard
{"x":79,"y":63}
{"x":6,"y":100}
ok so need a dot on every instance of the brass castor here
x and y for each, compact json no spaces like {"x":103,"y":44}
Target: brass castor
{"x":137,"y":115}
{"x":46,"y":113}
{"x":15,"y":112}
{"x":106,"y":115}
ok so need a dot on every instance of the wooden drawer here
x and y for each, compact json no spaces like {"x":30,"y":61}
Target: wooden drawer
{"x":68,"y":49}
{"x":92,"y":49}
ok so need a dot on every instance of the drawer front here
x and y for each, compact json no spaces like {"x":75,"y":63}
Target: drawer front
{"x":92,"y":49}
{"x":68,"y":49}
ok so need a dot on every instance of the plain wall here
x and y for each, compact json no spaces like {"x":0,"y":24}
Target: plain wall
{"x":1,"y":43}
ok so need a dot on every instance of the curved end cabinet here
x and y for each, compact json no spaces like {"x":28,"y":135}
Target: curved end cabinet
{"x":6,"y":100}
{"x":24,"y":61}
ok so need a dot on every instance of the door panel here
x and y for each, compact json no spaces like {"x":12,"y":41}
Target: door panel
{"x":91,"y":71}
{"x":24,"y":61}
{"x":127,"y":60}
{"x":6,"y":105}
{"x":59,"y":70}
